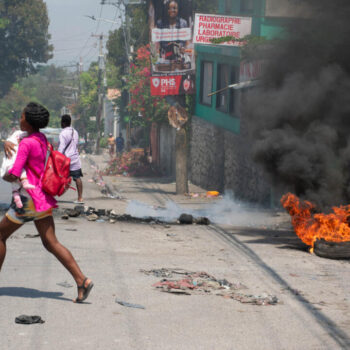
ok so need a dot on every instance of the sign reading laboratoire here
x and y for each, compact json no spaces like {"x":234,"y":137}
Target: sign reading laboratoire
{"x":208,"y":27}
{"x":173,"y":60}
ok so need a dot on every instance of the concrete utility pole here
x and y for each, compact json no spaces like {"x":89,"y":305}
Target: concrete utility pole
{"x":178,"y":104}
{"x":181,"y":155}
{"x":181,"y":161}
{"x":122,"y":5}
{"x":101,"y":91}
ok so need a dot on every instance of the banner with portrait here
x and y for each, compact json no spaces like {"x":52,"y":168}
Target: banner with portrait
{"x":173,"y":61}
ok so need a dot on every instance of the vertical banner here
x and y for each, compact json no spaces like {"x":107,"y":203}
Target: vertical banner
{"x":173,"y":61}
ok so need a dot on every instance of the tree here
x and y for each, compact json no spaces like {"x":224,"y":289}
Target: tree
{"x":24,"y":39}
{"x":87,"y":105}
{"x":143,"y":107}
{"x":46,"y":87}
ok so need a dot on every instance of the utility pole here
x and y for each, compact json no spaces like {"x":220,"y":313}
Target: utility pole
{"x":101,"y":90}
{"x":181,"y":145}
{"x":122,"y":5}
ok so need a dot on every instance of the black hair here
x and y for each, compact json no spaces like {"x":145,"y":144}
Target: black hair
{"x":66,"y":120}
{"x":169,"y":2}
{"x":36,"y":115}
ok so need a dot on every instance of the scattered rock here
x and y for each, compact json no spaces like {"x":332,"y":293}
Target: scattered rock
{"x":186,"y":219}
{"x":80,"y":209}
{"x":72,"y":213}
{"x":89,"y":210}
{"x":64,"y":217}
{"x":101,"y":212}
{"x":202,"y":221}
{"x":92,"y":217}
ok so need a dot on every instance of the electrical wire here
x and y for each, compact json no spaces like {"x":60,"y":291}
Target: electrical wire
{"x":71,"y":49}
{"x":97,"y":27}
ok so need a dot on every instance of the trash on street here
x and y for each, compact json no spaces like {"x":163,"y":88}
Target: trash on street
{"x":203,"y":283}
{"x":124,"y":303}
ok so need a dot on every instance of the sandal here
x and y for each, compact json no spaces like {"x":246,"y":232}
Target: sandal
{"x":86,"y":289}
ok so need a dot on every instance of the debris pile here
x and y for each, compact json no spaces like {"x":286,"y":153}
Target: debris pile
{"x":111,"y":216}
{"x":133,"y":163}
{"x":202,"y":283}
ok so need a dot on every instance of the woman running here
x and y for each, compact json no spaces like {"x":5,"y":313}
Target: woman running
{"x":37,"y":205}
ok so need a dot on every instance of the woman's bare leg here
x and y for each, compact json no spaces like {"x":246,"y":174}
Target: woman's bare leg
{"x":46,"y":229}
{"x":7,"y":227}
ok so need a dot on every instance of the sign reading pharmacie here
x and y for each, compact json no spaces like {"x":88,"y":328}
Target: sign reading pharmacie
{"x":207,"y":27}
{"x":173,"y":60}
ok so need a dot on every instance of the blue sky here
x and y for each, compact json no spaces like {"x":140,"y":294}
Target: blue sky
{"x":71,"y":30}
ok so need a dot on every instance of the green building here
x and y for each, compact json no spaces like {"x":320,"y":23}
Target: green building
{"x":220,"y":157}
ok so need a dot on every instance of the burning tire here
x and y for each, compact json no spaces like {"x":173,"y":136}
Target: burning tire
{"x":332,"y":250}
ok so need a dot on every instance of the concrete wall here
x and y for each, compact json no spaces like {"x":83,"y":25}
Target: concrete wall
{"x":286,"y":8}
{"x":220,"y":160}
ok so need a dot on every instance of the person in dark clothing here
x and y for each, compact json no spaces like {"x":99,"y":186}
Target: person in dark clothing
{"x":120,"y":143}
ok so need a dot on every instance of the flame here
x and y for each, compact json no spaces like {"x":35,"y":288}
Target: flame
{"x":309,"y":227}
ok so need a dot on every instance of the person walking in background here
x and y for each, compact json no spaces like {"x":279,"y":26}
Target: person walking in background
{"x":111,"y":143}
{"x":68,"y":145}
{"x":37,"y":204}
{"x":120,"y":143}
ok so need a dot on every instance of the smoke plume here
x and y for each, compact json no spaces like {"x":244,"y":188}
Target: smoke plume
{"x":300,"y":114}
{"x":226,"y":211}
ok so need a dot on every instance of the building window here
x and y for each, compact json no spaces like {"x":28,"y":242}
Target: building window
{"x":222,"y":82}
{"x":206,"y":82}
{"x":247,"y":5}
{"x":233,"y":92}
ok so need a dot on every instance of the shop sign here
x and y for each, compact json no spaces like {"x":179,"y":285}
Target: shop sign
{"x":207,"y":27}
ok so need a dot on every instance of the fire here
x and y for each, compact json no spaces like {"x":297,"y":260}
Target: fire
{"x":309,"y":227}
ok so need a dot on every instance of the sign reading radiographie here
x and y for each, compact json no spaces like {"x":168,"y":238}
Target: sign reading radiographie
{"x":173,"y":61}
{"x":207,"y":27}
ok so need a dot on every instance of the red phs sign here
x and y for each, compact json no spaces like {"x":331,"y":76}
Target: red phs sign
{"x":172,"y":85}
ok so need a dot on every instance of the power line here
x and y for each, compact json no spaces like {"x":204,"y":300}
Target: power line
{"x":98,"y":24}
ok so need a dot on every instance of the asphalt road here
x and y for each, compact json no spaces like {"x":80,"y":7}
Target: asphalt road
{"x":313,"y":293}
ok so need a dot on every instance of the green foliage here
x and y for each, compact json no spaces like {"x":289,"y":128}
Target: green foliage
{"x":45,"y":87}
{"x":87,"y":105}
{"x":139,"y":31}
{"x":143,"y":108}
{"x":24,"y":39}
{"x":116,"y":48}
{"x":205,"y":6}
{"x":103,"y":142}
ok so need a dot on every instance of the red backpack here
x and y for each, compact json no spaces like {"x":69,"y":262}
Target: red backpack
{"x":56,"y":179}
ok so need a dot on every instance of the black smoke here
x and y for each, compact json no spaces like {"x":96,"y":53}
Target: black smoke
{"x":300,"y":113}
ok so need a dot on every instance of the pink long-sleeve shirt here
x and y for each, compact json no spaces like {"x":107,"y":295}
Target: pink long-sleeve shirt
{"x":31,"y":151}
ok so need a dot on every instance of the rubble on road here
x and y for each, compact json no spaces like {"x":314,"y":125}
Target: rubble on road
{"x":73,"y":213}
{"x":203,"y":283}
{"x":111,"y":216}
